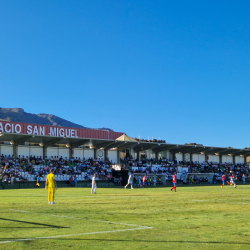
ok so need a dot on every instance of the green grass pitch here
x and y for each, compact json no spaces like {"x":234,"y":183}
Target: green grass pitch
{"x":195,"y":217}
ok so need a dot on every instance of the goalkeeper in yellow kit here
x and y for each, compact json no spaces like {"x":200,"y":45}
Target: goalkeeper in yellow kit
{"x":51,"y":186}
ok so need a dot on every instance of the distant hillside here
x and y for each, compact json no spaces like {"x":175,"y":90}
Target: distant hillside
{"x":19,"y":115}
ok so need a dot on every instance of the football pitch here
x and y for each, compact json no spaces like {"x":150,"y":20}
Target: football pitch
{"x":195,"y":217}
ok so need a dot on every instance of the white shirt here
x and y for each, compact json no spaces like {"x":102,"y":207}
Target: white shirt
{"x":93,"y":181}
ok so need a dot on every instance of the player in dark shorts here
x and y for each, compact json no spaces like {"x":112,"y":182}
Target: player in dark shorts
{"x":224,"y":180}
{"x":174,"y":182}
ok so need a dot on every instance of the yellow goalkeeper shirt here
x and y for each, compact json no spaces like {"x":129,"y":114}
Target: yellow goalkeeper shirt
{"x":50,"y":179}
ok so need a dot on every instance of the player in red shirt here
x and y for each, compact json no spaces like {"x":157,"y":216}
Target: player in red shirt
{"x":223,"y":177}
{"x":144,"y":179}
{"x":174,"y":182}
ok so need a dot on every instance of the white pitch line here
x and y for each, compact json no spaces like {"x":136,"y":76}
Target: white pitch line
{"x":70,"y":235}
{"x":69,"y":217}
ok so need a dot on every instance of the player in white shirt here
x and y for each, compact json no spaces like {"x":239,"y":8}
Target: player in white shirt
{"x":232,"y":179}
{"x":130,"y":181}
{"x":94,"y":186}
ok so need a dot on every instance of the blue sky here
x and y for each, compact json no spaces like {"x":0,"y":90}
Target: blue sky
{"x":175,"y":70}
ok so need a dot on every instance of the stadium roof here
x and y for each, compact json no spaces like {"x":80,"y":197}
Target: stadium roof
{"x":120,"y":143}
{"x":125,"y":137}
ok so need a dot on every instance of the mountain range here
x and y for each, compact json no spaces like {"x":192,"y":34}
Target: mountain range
{"x":19,"y":115}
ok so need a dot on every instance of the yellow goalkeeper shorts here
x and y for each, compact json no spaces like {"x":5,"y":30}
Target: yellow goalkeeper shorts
{"x":51,"y":190}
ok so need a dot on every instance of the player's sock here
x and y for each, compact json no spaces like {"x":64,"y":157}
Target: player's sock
{"x":52,"y":197}
{"x":49,"y":200}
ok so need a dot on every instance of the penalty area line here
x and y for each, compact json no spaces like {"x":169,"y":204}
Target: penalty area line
{"x":70,"y":217}
{"x":71,"y":235}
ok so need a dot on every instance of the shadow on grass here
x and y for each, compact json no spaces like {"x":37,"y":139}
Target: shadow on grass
{"x":24,"y":227}
{"x":144,"y":241}
{"x":33,"y":223}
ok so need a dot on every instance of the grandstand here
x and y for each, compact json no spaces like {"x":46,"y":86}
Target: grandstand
{"x":28,"y":169}
{"x":29,"y":150}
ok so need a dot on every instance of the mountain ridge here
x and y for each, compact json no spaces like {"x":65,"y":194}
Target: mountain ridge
{"x":19,"y":115}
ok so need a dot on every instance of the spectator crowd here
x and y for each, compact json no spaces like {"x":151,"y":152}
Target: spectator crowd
{"x":168,"y":168}
{"x":30,"y":168}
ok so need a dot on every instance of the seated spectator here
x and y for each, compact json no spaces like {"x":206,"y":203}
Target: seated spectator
{"x":75,"y":181}
{"x":71,"y":181}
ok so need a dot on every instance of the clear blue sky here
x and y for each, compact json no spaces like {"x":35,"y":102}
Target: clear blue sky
{"x":178,"y":70}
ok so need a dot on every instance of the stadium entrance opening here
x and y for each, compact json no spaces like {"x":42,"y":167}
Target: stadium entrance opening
{"x":144,"y":155}
{"x":125,"y":153}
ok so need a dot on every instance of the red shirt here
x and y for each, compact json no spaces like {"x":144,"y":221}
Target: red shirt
{"x":174,"y":178}
{"x":223,"y":177}
{"x":144,"y":179}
